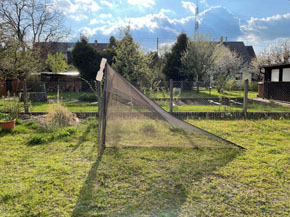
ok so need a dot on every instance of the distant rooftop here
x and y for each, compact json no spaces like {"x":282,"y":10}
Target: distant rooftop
{"x":247,"y":52}
{"x":68,"y":46}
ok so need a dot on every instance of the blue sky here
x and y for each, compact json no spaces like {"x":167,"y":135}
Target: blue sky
{"x":261,"y":23}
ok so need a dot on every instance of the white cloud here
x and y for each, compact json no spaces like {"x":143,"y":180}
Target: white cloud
{"x":269,"y":28}
{"x":66,"y":6}
{"x":93,"y":21}
{"x":142,"y":3}
{"x":78,"y":17}
{"x":69,"y":7}
{"x":107,"y":3}
{"x":88,"y":5}
{"x":189,"y":5}
{"x":104,"y":16}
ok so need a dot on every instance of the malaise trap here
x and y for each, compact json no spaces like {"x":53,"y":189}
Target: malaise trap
{"x":128,"y":118}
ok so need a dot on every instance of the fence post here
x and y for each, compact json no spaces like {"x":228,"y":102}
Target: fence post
{"x":245,"y":103}
{"x":25,"y":96}
{"x":99,"y":110}
{"x":57,"y":94}
{"x":171,"y":96}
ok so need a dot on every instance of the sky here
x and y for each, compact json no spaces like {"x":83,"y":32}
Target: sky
{"x":260,"y":23}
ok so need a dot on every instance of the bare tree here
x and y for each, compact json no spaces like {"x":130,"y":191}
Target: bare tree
{"x":32,"y":20}
{"x":274,"y":55}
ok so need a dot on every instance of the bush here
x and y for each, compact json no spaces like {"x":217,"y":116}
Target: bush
{"x":231,"y":85}
{"x":254,"y":86}
{"x":60,"y":116}
{"x":88,"y":97}
{"x":11,"y":108}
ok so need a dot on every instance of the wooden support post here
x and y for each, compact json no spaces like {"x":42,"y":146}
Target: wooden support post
{"x":171,"y":96}
{"x":99,"y":110}
{"x":25,"y":96}
{"x":57,"y":94}
{"x":104,"y":113}
{"x":245,"y":103}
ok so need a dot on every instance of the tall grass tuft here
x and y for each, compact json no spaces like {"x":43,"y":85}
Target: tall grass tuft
{"x":60,"y":116}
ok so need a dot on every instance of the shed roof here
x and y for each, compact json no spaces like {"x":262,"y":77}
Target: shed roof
{"x":284,"y":65}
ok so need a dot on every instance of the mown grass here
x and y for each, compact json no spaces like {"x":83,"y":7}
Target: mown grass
{"x":272,"y":107}
{"x":255,"y":183}
{"x":61,"y":174}
{"x":204,"y":94}
{"x":73,"y":106}
{"x":42,"y":170}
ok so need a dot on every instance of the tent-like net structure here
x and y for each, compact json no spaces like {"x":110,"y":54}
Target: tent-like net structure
{"x":130,"y":119}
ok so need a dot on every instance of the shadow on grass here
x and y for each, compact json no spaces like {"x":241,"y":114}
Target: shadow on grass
{"x":85,"y":134}
{"x":146,"y":181}
{"x":86,"y":193}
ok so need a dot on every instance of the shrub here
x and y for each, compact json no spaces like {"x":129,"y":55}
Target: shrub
{"x":60,"y":116}
{"x":231,"y":85}
{"x":88,"y":97}
{"x":254,"y":86}
{"x":11,"y":108}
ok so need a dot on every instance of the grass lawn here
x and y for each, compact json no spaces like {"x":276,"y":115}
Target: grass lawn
{"x":203,"y":93}
{"x":223,"y":108}
{"x":57,"y":173}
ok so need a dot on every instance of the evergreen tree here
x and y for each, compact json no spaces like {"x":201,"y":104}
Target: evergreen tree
{"x":172,"y":68}
{"x":113,"y":42}
{"x":130,"y":61}
{"x":86,"y":59}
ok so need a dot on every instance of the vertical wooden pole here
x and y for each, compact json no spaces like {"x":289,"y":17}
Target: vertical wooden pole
{"x":25,"y":96}
{"x":104,"y":107}
{"x":57,"y":94}
{"x":171,"y":96}
{"x":245,"y":103}
{"x":99,"y":110}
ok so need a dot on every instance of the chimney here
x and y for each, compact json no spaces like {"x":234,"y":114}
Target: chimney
{"x":96,"y":43}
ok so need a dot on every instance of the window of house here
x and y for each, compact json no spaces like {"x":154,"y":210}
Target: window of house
{"x":275,"y":75}
{"x":286,"y":74}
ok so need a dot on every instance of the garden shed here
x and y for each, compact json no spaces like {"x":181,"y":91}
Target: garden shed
{"x":276,"y":84}
{"x":12,"y":86}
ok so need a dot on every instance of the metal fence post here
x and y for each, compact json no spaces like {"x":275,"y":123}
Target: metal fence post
{"x":25,"y":96}
{"x":245,"y":103}
{"x":171,"y":96}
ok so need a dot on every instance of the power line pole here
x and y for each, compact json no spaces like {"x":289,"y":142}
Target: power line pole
{"x":157,"y":46}
{"x":196,"y":21}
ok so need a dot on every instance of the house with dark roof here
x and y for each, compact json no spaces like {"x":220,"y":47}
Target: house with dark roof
{"x":276,"y":84}
{"x":247,"y":53}
{"x":65,"y":48}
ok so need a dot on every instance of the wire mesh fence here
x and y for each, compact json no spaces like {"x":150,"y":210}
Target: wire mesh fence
{"x":187,"y":96}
